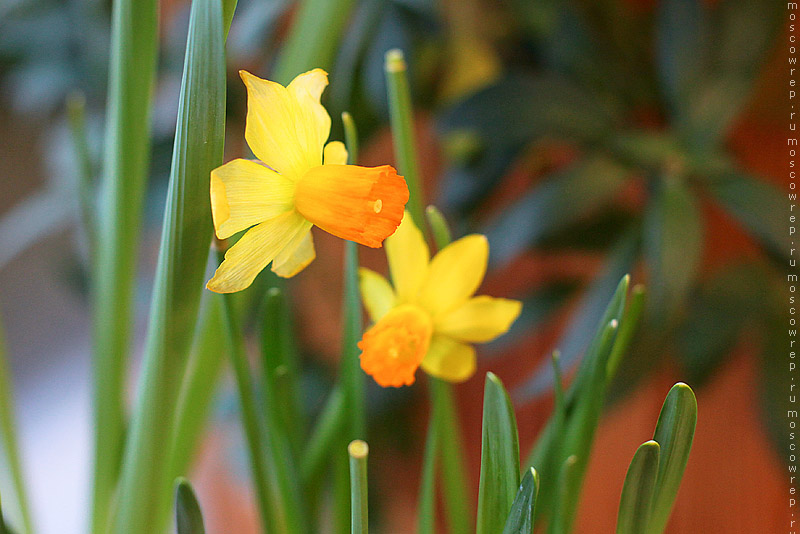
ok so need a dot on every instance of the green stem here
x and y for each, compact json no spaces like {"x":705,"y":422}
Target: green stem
{"x":325,"y":434}
{"x":250,"y":420}
{"x":76,"y":113}
{"x":359,"y":516}
{"x":134,"y":47}
{"x":454,"y":483}
{"x":283,"y":403}
{"x":8,"y":432}
{"x":443,"y":403}
{"x":426,"y":520}
{"x":402,"y":119}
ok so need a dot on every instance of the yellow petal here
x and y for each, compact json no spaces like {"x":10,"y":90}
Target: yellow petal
{"x":376,"y":292}
{"x":455,"y":274}
{"x":479,"y":320}
{"x":449,"y":359}
{"x":257,"y":247}
{"x":244,"y":193}
{"x":307,"y":89}
{"x":296,"y":256}
{"x":286,"y":128}
{"x":408,"y":257}
{"x":334,"y":154}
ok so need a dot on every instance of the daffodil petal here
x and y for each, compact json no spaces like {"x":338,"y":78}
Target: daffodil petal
{"x":449,"y":359}
{"x":408,"y":257}
{"x":296,"y":256}
{"x":245,"y":193}
{"x":455,"y":274}
{"x":480,"y":319}
{"x":307,"y":90}
{"x":376,"y":292}
{"x":257,"y":247}
{"x":335,"y":153}
{"x":280,"y":130}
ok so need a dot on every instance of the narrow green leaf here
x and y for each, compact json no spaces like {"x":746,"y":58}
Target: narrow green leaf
{"x":499,"y":458}
{"x":402,"y":120}
{"x":455,"y":487}
{"x":636,"y":501}
{"x":426,"y":508}
{"x":282,"y":396}
{"x":188,"y":517}
{"x":439,"y":227}
{"x":520,"y":519}
{"x":580,"y":429}
{"x":266,"y":470}
{"x":328,"y":428}
{"x":359,"y":517}
{"x":144,"y":489}
{"x":583,"y":407}
{"x":314,"y":38}
{"x":674,"y":433}
{"x":566,"y":499}
{"x":10,"y":443}
{"x":603,"y":301}
{"x":673,"y":247}
{"x":628,"y":327}
{"x":208,"y":353}
{"x":350,"y":138}
{"x":132,"y":65}
{"x":76,"y":113}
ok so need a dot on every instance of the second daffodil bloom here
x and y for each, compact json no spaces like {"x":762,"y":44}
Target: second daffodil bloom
{"x":429,"y":318}
{"x":297,"y":182}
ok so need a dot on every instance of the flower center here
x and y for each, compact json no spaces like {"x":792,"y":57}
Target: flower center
{"x":394,"y":347}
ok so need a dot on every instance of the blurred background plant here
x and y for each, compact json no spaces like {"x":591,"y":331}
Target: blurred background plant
{"x":585,"y":139}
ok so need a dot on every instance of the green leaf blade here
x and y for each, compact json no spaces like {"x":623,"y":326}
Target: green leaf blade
{"x":674,"y":433}
{"x":144,"y":488}
{"x":499,"y":479}
{"x":188,"y":517}
{"x":637,"y":493}
{"x":520,"y":519}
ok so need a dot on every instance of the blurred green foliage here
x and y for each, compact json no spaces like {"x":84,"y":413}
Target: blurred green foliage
{"x":639,"y":97}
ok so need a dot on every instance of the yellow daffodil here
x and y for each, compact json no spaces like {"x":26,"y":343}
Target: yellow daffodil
{"x":299,"y":181}
{"x":429,"y":318}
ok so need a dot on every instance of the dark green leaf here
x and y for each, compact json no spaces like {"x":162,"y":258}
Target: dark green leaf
{"x":674,"y":433}
{"x":673,"y":242}
{"x":560,"y":201}
{"x":757,"y":205}
{"x":566,"y":497}
{"x":510,"y":111}
{"x":637,"y":492}
{"x":520,"y":519}
{"x":681,"y":51}
{"x":499,"y":458}
{"x":188,"y":517}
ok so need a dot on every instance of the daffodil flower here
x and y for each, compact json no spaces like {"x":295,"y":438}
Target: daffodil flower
{"x":429,"y":318}
{"x":297,"y":182}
